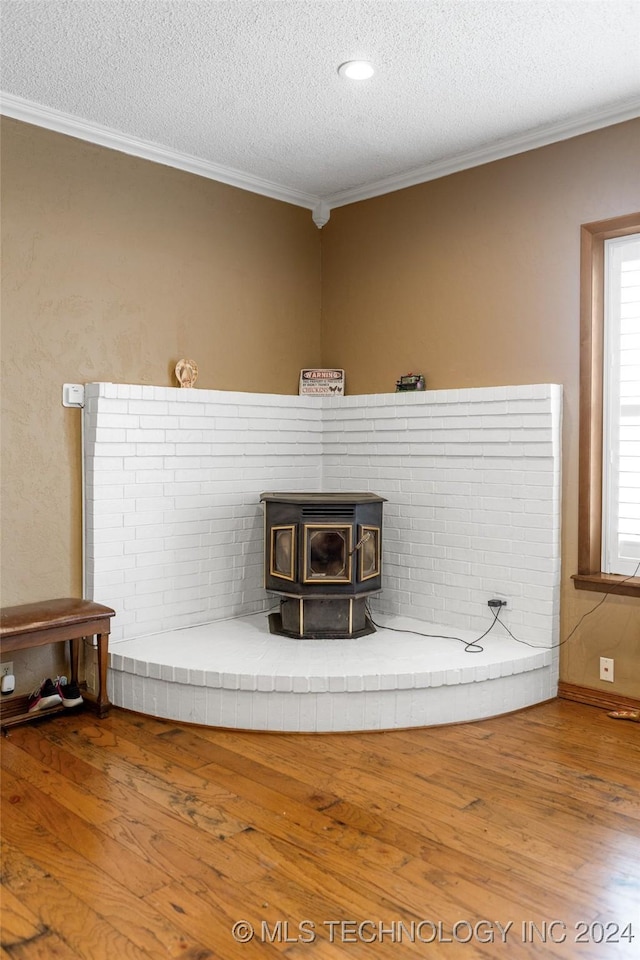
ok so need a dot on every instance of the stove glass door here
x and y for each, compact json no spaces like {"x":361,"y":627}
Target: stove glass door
{"x":327,"y":553}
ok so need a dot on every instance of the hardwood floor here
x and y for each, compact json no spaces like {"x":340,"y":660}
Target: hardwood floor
{"x":131,"y":837}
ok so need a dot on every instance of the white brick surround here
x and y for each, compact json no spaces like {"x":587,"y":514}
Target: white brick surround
{"x":174,"y":525}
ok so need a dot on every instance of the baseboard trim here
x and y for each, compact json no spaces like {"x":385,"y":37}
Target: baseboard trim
{"x":596,"y":698}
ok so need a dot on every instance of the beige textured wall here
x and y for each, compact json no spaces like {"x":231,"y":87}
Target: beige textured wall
{"x":473,"y":280}
{"x":113,"y":269}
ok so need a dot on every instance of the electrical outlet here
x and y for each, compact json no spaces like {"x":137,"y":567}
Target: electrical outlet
{"x":606,"y":668}
{"x":6,"y":669}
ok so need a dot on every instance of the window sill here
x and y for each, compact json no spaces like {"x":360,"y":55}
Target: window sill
{"x":607,"y":583}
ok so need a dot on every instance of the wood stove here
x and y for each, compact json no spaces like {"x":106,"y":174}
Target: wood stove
{"x":323,"y":555}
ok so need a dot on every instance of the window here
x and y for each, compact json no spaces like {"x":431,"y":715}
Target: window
{"x":621,"y":406}
{"x":609,"y":497}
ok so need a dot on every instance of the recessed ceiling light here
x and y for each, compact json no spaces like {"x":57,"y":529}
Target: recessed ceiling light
{"x":356,"y":69}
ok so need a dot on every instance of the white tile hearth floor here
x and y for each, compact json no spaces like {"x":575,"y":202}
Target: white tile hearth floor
{"x":236,"y":674}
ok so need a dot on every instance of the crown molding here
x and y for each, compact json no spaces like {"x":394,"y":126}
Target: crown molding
{"x":475,"y":158}
{"x":26,"y":110}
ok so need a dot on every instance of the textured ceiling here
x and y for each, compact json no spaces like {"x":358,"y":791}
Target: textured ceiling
{"x":249,"y":91}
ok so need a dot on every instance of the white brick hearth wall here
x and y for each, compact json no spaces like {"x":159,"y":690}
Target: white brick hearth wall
{"x":174,"y":525}
{"x":174,"y":540}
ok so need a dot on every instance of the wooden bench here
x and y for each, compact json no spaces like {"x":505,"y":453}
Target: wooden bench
{"x":50,"y":621}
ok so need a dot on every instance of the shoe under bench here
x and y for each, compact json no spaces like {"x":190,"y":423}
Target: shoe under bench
{"x":53,"y":621}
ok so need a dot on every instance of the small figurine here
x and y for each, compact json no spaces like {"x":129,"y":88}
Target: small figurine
{"x":186,"y":372}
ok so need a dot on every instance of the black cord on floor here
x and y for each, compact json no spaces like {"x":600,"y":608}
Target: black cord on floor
{"x":470,"y":646}
{"x":555,"y":646}
{"x":474,"y":646}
